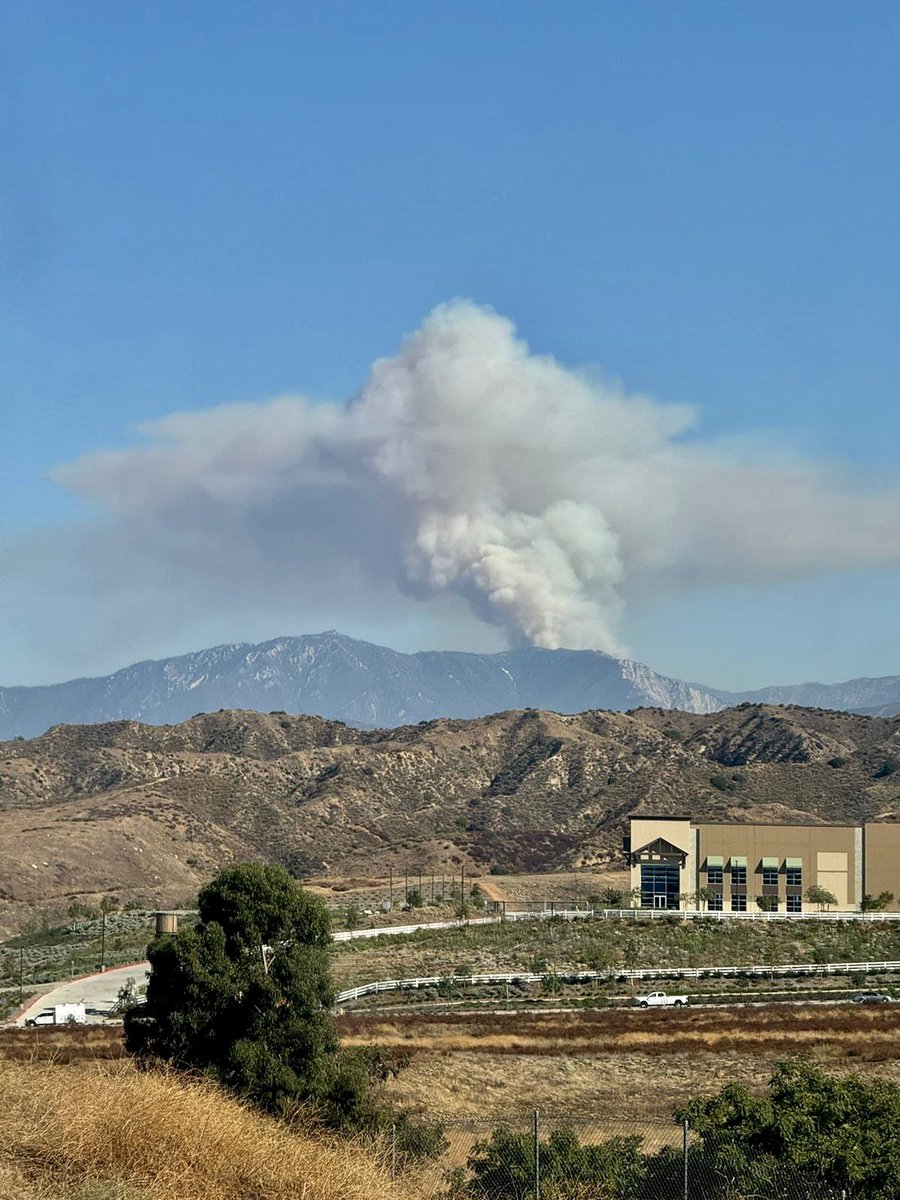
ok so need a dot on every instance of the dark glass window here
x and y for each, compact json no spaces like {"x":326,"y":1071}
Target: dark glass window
{"x":795,"y":904}
{"x":660,"y":885}
{"x":715,"y":902}
{"x":770,"y":876}
{"x":713,"y":874}
{"x":794,"y":876}
{"x":739,"y":875}
{"x":739,"y":903}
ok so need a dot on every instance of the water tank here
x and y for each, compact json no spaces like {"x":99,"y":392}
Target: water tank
{"x":166,"y":922}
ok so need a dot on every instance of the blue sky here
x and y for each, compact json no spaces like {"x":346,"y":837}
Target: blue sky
{"x":214,"y":203}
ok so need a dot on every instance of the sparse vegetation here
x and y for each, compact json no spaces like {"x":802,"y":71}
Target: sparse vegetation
{"x":563,"y":946}
{"x":276,"y":780}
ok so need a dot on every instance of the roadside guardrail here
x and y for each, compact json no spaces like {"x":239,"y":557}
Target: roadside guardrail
{"x":614,"y":973}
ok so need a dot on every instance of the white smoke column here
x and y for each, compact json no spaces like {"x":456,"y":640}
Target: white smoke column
{"x":466,"y":465}
{"x":486,"y":443}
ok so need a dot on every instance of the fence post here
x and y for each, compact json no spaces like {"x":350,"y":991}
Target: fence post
{"x":685,"y":1155}
{"x":537,"y":1155}
{"x":393,"y":1152}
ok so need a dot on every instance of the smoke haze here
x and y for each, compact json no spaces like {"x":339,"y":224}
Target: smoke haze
{"x":465,"y":466}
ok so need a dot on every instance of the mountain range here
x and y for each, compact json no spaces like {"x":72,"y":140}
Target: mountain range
{"x":370,"y":686}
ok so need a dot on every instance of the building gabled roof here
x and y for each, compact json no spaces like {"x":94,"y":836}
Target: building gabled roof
{"x":660,"y":845}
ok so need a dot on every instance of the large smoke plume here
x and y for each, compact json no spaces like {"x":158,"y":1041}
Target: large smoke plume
{"x":466,"y":464}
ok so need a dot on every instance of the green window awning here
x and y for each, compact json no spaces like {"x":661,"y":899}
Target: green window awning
{"x":770,"y":862}
{"x":794,"y":864}
{"x":739,"y":860}
{"x":715,"y":860}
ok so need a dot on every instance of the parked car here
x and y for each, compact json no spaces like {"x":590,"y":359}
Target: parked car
{"x":871,"y":998}
{"x":660,"y":1000}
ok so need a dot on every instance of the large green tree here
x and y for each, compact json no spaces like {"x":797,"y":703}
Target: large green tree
{"x":811,"y":1133}
{"x":245,"y":995}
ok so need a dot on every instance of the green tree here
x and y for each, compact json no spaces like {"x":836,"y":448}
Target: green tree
{"x":809,"y":1133}
{"x":821,"y":896}
{"x":245,"y":995}
{"x":704,"y":895}
{"x":767,"y":903}
{"x":877,"y":903}
{"x":352,"y":916}
{"x":502,"y":1167}
{"x":414,"y":899}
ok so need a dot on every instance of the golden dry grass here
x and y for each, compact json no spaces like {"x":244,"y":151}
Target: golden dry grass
{"x":94,"y":1131}
{"x":614,"y":1064}
{"x":62,"y":1044}
{"x":871,"y":1034}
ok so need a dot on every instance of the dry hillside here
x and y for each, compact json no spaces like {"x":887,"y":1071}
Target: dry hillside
{"x":150,"y":812}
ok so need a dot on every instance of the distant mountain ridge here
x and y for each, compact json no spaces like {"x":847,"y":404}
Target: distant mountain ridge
{"x":878,"y":697}
{"x":340,"y":678}
{"x":344,"y":679}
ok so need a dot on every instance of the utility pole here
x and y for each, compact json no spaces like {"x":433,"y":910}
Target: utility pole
{"x":391,"y":886}
{"x":102,"y":939}
{"x":21,"y":974}
{"x":406,"y":885}
{"x":685,"y":1160}
{"x":537,"y":1155}
{"x":432,"y":885}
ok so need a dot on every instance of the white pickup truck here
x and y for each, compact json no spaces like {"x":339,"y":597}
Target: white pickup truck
{"x":660,"y":1000}
{"x":60,"y":1014}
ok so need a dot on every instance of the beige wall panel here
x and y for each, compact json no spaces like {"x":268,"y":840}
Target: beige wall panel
{"x":836,"y":883}
{"x":830,"y":861}
{"x":883,"y":862}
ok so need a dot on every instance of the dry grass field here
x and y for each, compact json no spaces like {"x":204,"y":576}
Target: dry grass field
{"x":62,"y":1045}
{"x":559,"y":886}
{"x":91,"y":1132}
{"x":79,"y":1118}
{"x":614,"y":1065}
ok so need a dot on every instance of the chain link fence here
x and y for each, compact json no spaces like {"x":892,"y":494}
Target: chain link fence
{"x":551,"y":1158}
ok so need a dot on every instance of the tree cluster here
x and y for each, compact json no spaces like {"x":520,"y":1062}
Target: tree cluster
{"x":811,"y":1136}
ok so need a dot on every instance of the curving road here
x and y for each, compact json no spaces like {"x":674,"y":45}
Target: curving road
{"x":98,"y":993}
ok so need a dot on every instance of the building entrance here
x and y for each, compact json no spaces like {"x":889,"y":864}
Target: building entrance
{"x":660,"y":885}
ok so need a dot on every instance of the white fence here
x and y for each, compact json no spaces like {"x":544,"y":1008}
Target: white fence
{"x":694,"y":914}
{"x":517,"y":977}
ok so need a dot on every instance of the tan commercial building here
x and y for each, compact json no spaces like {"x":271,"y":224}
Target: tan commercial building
{"x":677,"y":863}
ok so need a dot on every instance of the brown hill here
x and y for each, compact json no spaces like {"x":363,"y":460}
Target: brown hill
{"x":150,"y":812}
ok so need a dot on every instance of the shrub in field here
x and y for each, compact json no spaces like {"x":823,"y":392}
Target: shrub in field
{"x":811,"y":1133}
{"x":502,"y":1167}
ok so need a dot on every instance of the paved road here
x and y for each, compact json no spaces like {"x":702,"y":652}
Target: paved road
{"x":98,"y":993}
